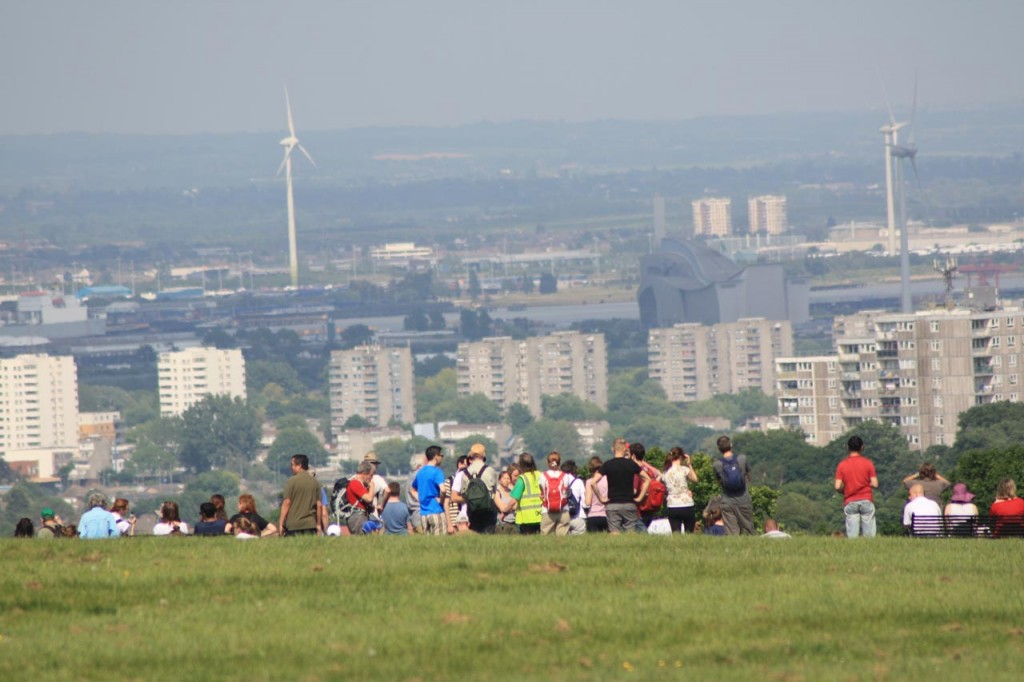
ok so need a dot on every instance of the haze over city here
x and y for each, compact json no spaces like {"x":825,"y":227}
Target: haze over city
{"x":188,"y":67}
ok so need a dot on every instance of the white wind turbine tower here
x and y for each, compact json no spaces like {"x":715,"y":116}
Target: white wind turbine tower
{"x":289,"y":143}
{"x":896,"y":156}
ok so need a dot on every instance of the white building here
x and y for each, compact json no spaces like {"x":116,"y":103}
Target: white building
{"x":188,"y":376}
{"x":38,"y":405}
{"x":767,"y":214}
{"x":712,"y":216}
{"x":401,"y":254}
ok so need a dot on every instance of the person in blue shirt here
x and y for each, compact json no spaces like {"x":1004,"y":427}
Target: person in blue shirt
{"x":209,"y":524}
{"x":427,"y":488}
{"x":396,"y":513}
{"x":97,"y":523}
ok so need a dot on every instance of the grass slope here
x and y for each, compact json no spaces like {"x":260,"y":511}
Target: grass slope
{"x":508,"y":608}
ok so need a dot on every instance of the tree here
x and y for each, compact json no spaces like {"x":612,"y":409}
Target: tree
{"x":429,"y":367}
{"x":437,"y":321}
{"x":548,"y":283}
{"x":474,"y":285}
{"x":291,"y":421}
{"x":885,"y":446}
{"x":462,"y":446}
{"x":394,"y":453}
{"x":261,"y":373}
{"x":982,"y":470}
{"x":545,"y":435}
{"x":433,"y":391}
{"x":518,"y":417}
{"x":984,"y":427}
{"x":416,"y":321}
{"x":570,"y":407}
{"x":355,"y":335}
{"x":295,"y":441}
{"x":357,"y":421}
{"x":472,"y":409}
{"x":527,"y":285}
{"x":782,"y":455}
{"x":219,"y":431}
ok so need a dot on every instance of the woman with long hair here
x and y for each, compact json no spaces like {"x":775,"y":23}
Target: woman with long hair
{"x":678,"y":476}
{"x":595,"y":494}
{"x":170,"y":520}
{"x":247,"y":510}
{"x":506,"y":505}
{"x":123,"y":518}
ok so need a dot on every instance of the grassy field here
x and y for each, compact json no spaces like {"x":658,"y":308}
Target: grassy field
{"x":510,"y":608}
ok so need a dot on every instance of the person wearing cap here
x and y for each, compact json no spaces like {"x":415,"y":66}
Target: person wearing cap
{"x":961,"y":502}
{"x":97,"y":523}
{"x":52,"y":526}
{"x":380,"y":485}
{"x":485,"y":520}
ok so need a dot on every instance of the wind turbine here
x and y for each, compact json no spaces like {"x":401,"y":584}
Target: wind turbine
{"x":289,"y":143}
{"x":895,"y":184}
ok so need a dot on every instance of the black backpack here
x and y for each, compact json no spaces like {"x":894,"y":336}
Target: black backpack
{"x":574,"y":503}
{"x":478,"y":497}
{"x":733,"y":480}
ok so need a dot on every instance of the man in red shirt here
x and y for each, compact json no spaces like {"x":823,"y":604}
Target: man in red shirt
{"x":856,"y":477}
{"x":359,"y":493}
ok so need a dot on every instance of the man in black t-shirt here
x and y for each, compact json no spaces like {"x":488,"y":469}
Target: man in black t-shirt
{"x":621,"y":471}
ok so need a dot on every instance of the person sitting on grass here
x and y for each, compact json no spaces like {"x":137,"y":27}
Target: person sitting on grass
{"x":771,"y":530}
{"x":209,"y":525}
{"x":246,"y":529}
{"x":24,"y":528}
{"x":714,"y":524}
{"x":51,"y":526}
{"x":170,"y":520}
{"x":97,"y":523}
{"x":395,"y":516}
{"x":219,"y":503}
{"x":247,"y":510}
{"x":69,"y":531}
{"x":122,"y":517}
{"x":918,"y":505}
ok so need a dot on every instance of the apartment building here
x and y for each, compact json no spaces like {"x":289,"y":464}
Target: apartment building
{"x":807,"y":394}
{"x":916,"y":371}
{"x":712,"y":216}
{"x":372,"y":382}
{"x":38,"y":403}
{"x":767,"y":214}
{"x":510,"y":371}
{"x":693,"y":362}
{"x":187,"y":376}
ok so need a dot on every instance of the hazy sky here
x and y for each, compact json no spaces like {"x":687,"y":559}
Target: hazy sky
{"x":188,"y":66}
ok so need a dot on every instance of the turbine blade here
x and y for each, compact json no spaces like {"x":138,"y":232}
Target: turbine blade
{"x":913,"y":113}
{"x":280,"y":168}
{"x":303,"y":150}
{"x":885,"y":93}
{"x":288,"y":105}
{"x":913,"y":164}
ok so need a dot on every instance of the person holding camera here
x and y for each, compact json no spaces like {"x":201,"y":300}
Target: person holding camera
{"x":678,"y":476}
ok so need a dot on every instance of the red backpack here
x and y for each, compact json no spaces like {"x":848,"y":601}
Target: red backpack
{"x":555,"y":498}
{"x":656,"y":492}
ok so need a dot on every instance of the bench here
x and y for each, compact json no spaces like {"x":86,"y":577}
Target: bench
{"x":983,"y":526}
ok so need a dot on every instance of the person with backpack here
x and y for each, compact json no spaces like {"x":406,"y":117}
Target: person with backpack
{"x":577,"y":493}
{"x":479,"y":482}
{"x":360,"y":494}
{"x":526,"y":492}
{"x":733,"y":474}
{"x":654,"y":500}
{"x":554,"y":494}
{"x":51,"y":527}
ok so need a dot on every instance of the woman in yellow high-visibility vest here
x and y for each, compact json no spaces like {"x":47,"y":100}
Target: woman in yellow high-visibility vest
{"x":527,"y":495}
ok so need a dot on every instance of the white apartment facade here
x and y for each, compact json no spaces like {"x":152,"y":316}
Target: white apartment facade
{"x":767,"y":214}
{"x":712,"y":216}
{"x":187,"y":376}
{"x":916,"y":371}
{"x":372,"y":382}
{"x":38,"y":403}
{"x":510,"y":371}
{"x":694,"y":362}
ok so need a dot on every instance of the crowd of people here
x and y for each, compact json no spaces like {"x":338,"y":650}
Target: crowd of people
{"x":624,"y":493}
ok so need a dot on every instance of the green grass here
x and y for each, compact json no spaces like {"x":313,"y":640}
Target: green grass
{"x":508,"y":608}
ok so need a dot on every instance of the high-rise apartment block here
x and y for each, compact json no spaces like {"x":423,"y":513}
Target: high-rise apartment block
{"x":374,"y":383}
{"x":187,"y":376}
{"x":916,"y":371}
{"x":767,"y":214}
{"x":712,"y":216}
{"x":38,"y":402}
{"x":693,"y":362}
{"x":510,"y":371}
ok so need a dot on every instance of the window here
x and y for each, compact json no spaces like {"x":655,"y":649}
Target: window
{"x":1012,"y":361}
{"x":831,"y":366}
{"x":833,"y":401}
{"x":939,"y":420}
{"x":831,"y":383}
{"x":937,"y":363}
{"x":936,"y":345}
{"x":937,"y":401}
{"x":935,"y":325}
{"x":937,"y":383}
{"x":995,"y":342}
{"x":1013,"y":379}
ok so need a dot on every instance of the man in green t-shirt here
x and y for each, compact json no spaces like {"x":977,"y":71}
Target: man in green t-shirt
{"x":301,"y":507}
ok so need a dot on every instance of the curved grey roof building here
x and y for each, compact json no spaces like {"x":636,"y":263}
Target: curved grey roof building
{"x":688,"y":282}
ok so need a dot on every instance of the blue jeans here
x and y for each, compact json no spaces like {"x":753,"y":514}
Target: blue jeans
{"x":860,"y":519}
